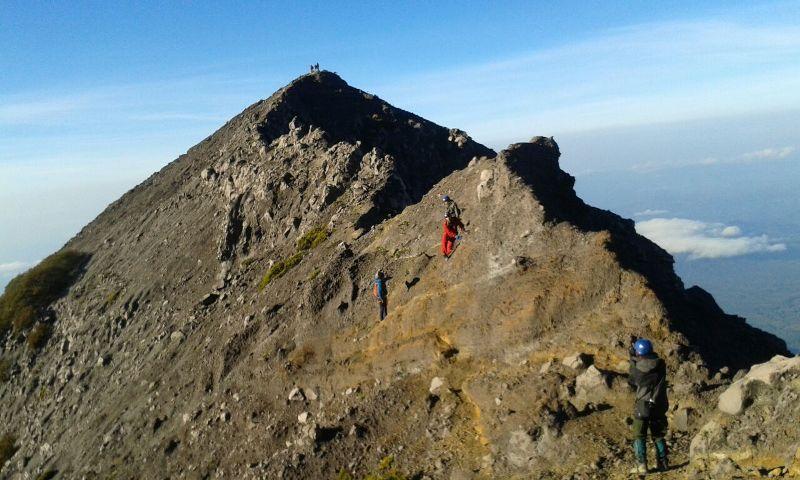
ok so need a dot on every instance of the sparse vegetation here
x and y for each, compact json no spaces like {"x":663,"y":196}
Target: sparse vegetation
{"x":5,"y":370}
{"x":249,"y":261}
{"x":307,"y":242}
{"x":8,"y":447}
{"x":279,"y":269}
{"x":312,"y":239}
{"x":111,"y":298}
{"x":300,"y":356}
{"x":384,"y":471}
{"x":313,"y":275}
{"x":38,"y":336}
{"x":33,"y":290}
{"x":47,"y":474}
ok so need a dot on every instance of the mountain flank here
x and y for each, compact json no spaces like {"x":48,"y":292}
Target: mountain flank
{"x":223,"y":323}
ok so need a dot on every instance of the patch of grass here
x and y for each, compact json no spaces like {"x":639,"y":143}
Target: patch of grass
{"x":301,"y":356}
{"x":384,"y":471}
{"x":38,"y":336}
{"x":312,"y":239}
{"x":307,"y":242}
{"x":111,"y":298}
{"x":313,"y":275}
{"x":279,"y":269}
{"x":8,"y":447}
{"x":33,"y":290}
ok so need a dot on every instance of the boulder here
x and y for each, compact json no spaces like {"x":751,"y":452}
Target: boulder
{"x":591,"y":387}
{"x":436,"y":384}
{"x":738,"y":396}
{"x":754,"y":427}
{"x":209,"y":299}
{"x":296,"y":395}
{"x":682,"y":419}
{"x":577,"y":361}
{"x":485,"y":184}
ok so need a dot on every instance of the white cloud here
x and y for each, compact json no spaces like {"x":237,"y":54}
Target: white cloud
{"x":769,"y":154}
{"x":763,"y":155}
{"x":11,"y":268}
{"x":650,"y":213}
{"x":731,"y":231}
{"x":704,"y":240}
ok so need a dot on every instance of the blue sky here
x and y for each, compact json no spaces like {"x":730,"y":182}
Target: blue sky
{"x":95,"y":96}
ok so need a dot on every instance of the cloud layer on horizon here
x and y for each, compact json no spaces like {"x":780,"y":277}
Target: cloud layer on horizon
{"x":699,"y":239}
{"x":768,"y":154}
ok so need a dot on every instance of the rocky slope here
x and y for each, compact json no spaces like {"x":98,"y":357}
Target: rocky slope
{"x":173,"y":356}
{"x":753,"y":432}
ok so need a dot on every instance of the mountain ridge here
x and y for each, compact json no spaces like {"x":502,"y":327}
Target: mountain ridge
{"x":174,"y":355}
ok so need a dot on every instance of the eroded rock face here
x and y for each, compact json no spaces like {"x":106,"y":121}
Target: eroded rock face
{"x":229,"y":328}
{"x":754,"y":428}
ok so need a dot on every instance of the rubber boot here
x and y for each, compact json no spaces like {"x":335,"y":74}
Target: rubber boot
{"x":661,"y":455}
{"x":640,"y":450}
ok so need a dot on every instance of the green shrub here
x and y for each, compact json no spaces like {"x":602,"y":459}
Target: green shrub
{"x":280,"y":268}
{"x":312,"y":239}
{"x":8,"y":447}
{"x":5,"y":370}
{"x":33,"y":290}
{"x":38,"y":336}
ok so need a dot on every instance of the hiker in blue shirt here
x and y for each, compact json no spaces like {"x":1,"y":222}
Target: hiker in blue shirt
{"x":380,"y":293}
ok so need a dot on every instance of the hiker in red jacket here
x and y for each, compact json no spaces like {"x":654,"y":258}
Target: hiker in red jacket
{"x":451,"y":227}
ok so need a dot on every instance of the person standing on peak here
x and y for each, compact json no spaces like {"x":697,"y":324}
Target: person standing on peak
{"x":648,"y":376}
{"x":380,"y":293}
{"x":451,"y":227}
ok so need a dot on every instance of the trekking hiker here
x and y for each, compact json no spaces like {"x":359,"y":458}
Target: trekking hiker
{"x":451,"y":227}
{"x":648,"y":375}
{"x":380,"y":293}
{"x":452,"y":208}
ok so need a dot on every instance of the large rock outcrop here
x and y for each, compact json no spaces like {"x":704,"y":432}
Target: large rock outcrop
{"x":224,"y":325}
{"x":754,"y":430}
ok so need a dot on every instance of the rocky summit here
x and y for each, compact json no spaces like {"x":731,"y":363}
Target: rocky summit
{"x":217,"y":321}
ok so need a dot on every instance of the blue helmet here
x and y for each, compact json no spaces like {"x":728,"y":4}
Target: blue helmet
{"x":643,"y":346}
{"x":445,"y":198}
